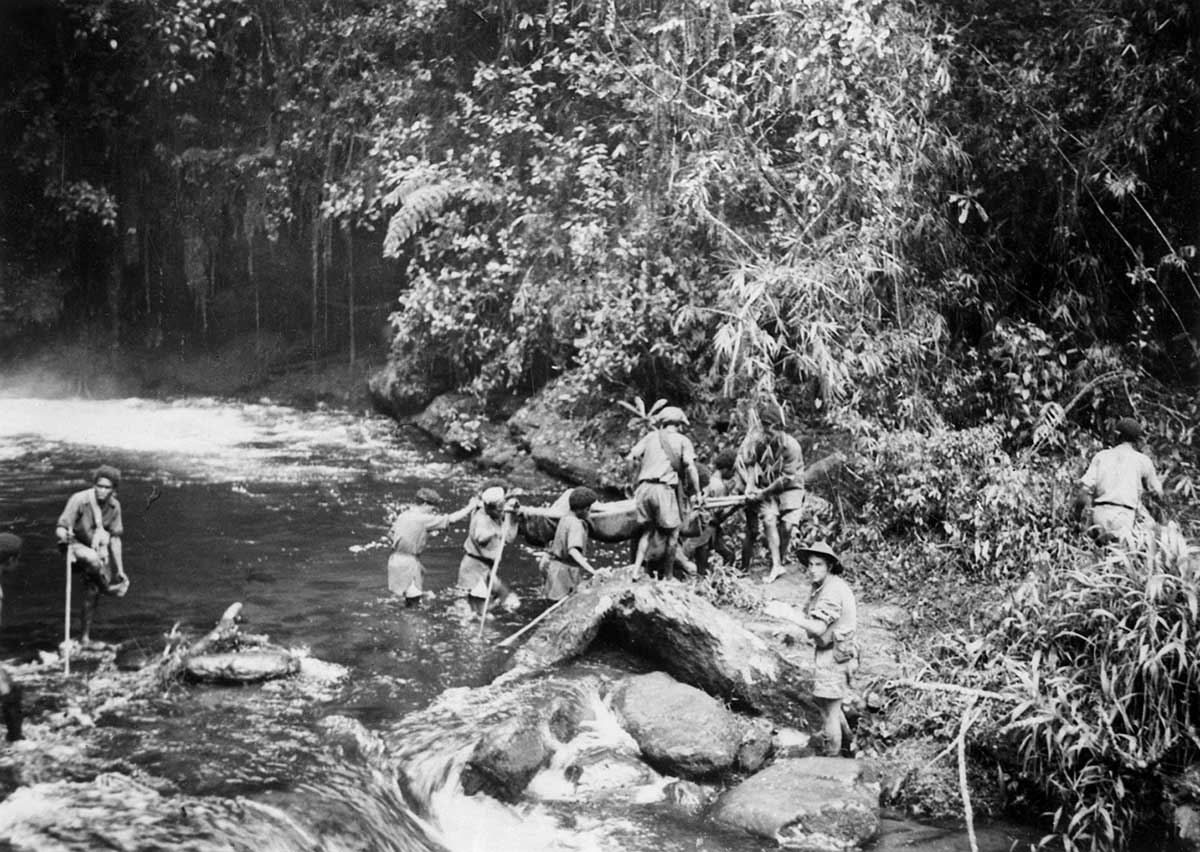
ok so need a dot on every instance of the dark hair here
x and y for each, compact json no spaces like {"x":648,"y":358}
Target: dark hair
{"x":428,"y":495}
{"x":10,"y":545}
{"x":1129,"y":429}
{"x":581,"y":498}
{"x":107,"y":471}
{"x":725,"y":461}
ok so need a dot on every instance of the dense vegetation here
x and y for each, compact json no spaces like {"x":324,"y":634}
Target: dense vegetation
{"x":961,"y":232}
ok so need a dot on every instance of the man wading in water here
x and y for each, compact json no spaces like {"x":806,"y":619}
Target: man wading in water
{"x":410,"y":532}
{"x":90,"y":530}
{"x":663,"y":463}
{"x":489,"y":531}
{"x":1114,"y":483}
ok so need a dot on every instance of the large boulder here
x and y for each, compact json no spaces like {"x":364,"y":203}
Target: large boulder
{"x":400,"y":395}
{"x":681,"y":730}
{"x":818,"y":804}
{"x":685,"y":635}
{"x":566,"y":448}
{"x":507,"y":758}
{"x":459,"y":422}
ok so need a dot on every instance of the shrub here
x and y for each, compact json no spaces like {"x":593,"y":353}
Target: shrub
{"x":1107,"y":658}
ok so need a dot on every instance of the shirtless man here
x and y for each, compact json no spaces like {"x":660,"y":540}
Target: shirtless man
{"x":90,"y":529}
{"x":771,"y":464}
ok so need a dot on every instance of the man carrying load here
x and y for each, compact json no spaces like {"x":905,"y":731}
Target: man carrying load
{"x":663,"y":463}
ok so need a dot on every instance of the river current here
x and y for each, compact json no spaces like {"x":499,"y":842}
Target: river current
{"x":285,"y":511}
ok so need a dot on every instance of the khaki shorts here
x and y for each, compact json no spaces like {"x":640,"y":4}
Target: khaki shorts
{"x":657,"y":505}
{"x":786,"y":506}
{"x":830,"y":679}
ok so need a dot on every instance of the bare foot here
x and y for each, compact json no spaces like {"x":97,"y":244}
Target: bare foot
{"x":775,"y":574}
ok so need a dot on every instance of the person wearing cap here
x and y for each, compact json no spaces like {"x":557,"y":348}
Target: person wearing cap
{"x":568,"y":551}
{"x":771,"y":464}
{"x":90,"y":529}
{"x":493,"y":524}
{"x":10,"y":690}
{"x":831,"y":619}
{"x":409,"y":535}
{"x":662,"y":464}
{"x":1114,"y":483}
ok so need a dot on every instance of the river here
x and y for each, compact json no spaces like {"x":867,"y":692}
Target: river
{"x":285,"y":511}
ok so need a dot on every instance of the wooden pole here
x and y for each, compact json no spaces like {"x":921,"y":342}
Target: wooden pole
{"x":67,"y":617}
{"x":504,"y":643}
{"x":492,"y":573}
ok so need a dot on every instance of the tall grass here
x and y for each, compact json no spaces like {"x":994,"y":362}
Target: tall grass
{"x":1107,"y":662}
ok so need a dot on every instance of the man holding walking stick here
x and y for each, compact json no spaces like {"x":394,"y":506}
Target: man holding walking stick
{"x":89,"y":531}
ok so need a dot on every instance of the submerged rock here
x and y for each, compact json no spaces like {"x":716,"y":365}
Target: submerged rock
{"x":818,"y":804}
{"x":680,"y":729}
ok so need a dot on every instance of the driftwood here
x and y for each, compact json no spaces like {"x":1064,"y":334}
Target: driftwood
{"x":227,"y":655}
{"x":683,"y":634}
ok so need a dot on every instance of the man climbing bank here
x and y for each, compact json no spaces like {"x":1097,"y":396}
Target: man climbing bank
{"x":1113,"y":486}
{"x":89,"y":530}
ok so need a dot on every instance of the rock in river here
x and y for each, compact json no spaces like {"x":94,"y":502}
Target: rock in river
{"x":680,"y":729}
{"x":818,"y":804}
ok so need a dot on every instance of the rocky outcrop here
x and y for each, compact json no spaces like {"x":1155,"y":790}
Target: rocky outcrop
{"x":756,"y":745}
{"x":566,"y":448}
{"x":458,"y":422}
{"x":398,"y":395}
{"x":680,"y":729}
{"x":683,"y":634}
{"x":820,"y":804}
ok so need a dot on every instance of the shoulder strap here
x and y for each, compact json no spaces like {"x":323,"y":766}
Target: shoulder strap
{"x":675,"y":459}
{"x":96,"y":513}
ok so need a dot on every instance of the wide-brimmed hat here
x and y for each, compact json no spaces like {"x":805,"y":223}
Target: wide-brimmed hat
{"x":672,"y":414}
{"x":821,"y":548}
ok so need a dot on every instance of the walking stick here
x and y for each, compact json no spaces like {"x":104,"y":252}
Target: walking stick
{"x":67,"y":617}
{"x":492,"y":573}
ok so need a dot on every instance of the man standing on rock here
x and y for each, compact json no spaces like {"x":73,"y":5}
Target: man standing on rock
{"x":831,"y":619}
{"x":89,"y":530}
{"x":661,"y":465}
{"x":1113,"y":485}
{"x":771,"y":464}
{"x":410,"y":532}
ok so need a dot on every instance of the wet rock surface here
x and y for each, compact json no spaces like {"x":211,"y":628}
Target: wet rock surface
{"x":821,"y":804}
{"x":506,"y":758}
{"x":681,"y":730}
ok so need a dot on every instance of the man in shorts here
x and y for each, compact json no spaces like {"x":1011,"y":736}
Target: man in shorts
{"x":90,"y":530}
{"x":662,"y":464}
{"x":493,"y":525}
{"x":771,"y":464}
{"x":409,"y":535}
{"x":831,"y":619}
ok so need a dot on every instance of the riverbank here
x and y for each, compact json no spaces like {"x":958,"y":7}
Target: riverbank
{"x":244,"y":368}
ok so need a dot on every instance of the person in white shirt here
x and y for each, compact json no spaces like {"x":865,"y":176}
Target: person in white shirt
{"x":1114,"y":484}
